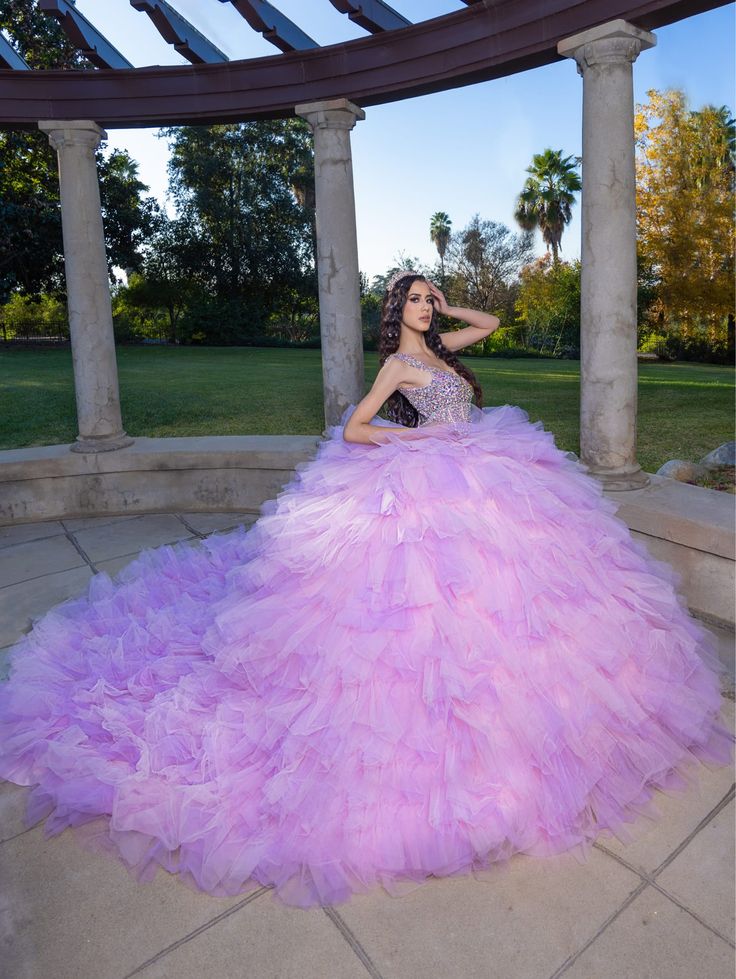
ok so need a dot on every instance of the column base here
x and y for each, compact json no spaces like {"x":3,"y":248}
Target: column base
{"x":621,"y":478}
{"x":105,"y":444}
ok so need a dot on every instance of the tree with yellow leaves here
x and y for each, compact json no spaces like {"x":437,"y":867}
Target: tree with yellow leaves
{"x":685,"y":169}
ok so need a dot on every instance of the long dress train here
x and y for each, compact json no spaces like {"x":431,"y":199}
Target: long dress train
{"x":424,"y":657}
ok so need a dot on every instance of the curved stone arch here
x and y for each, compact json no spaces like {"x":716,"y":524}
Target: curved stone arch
{"x":487,"y":40}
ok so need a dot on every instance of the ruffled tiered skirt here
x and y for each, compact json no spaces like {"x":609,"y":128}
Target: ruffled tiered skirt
{"x":425,"y":657}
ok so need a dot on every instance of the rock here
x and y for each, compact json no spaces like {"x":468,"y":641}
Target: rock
{"x":724,"y":455}
{"x":686,"y":472}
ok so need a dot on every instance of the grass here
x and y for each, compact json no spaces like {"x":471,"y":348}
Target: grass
{"x":685,"y":410}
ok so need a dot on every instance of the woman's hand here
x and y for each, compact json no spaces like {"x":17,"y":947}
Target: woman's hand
{"x":480,"y":325}
{"x":440,"y":303}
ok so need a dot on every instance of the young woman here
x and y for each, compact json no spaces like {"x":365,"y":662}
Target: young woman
{"x":411,"y":348}
{"x":437,"y":648}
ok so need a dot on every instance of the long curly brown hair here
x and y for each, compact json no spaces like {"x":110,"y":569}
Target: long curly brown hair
{"x":398,"y":408}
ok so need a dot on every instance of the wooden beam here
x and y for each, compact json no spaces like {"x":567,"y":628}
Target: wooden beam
{"x":9,"y":57}
{"x":84,"y":36}
{"x":474,"y":44}
{"x":372,"y":15}
{"x":273,"y":25}
{"x":178,"y":32}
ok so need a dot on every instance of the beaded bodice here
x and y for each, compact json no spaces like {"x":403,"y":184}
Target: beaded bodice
{"x":445,"y":398}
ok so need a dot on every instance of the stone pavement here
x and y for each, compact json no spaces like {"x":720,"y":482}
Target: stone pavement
{"x":660,"y":907}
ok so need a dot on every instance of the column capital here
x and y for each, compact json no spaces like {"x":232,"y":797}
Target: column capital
{"x":617,"y":42}
{"x":330,"y":114}
{"x":72,"y":132}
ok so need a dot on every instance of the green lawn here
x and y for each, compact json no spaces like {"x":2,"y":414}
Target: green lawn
{"x":684,"y":409}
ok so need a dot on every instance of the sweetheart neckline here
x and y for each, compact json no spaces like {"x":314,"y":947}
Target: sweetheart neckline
{"x":440,"y":370}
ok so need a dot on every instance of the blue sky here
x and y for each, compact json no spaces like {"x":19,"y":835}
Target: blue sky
{"x":462,"y":151}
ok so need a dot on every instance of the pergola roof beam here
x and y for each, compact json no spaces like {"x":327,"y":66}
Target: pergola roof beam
{"x":9,"y":57}
{"x":273,"y":25}
{"x":84,"y":35}
{"x":372,"y":15}
{"x":487,"y":40}
{"x":177,"y":31}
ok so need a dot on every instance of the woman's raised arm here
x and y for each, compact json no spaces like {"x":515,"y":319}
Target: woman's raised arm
{"x":481,"y":324}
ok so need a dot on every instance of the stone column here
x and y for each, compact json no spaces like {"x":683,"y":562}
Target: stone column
{"x":87,"y":286}
{"x":337,"y":254}
{"x":608,"y":367}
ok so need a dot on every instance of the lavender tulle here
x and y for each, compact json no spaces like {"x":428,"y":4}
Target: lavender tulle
{"x":424,"y":657}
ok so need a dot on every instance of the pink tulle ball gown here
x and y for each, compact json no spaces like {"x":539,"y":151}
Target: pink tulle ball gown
{"x":425,"y":656}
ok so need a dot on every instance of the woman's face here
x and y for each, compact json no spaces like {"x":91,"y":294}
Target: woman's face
{"x":417,"y":311}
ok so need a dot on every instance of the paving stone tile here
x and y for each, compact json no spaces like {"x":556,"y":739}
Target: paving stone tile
{"x":12,"y":809}
{"x":702,"y":878}
{"x":654,"y":939}
{"x":19,"y":562}
{"x":4,"y":662}
{"x":266,"y":941}
{"x":23,"y":532}
{"x":725,"y":648}
{"x":116,"y":564}
{"x":206,"y":523}
{"x":129,"y":536}
{"x":22,"y":603}
{"x":728,"y":715}
{"x":523,"y":919}
{"x":85,"y":523}
{"x":68,"y":913}
{"x":676,"y":814}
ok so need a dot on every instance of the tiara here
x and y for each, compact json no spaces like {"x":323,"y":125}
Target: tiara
{"x":401,"y":274}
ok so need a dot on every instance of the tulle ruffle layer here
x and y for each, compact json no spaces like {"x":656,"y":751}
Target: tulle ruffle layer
{"x":425,"y":656}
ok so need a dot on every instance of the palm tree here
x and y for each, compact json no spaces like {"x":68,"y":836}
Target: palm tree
{"x":720,"y":126}
{"x":546,"y":199}
{"x":439,"y":233}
